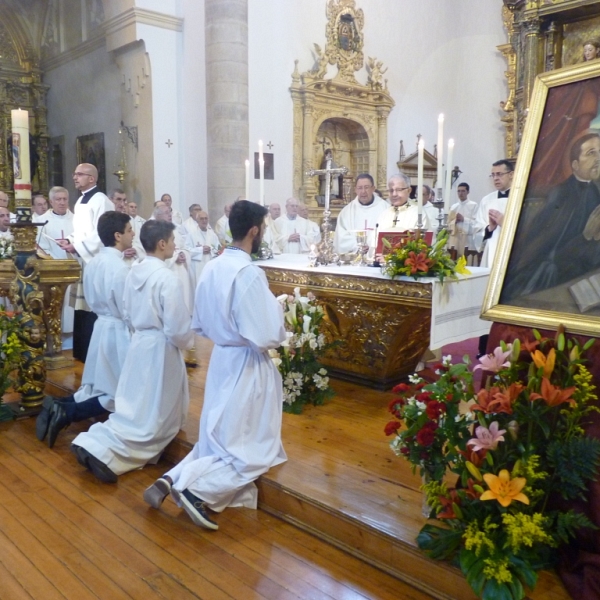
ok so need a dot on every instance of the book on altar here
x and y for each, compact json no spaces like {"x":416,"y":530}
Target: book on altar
{"x":396,"y":237}
{"x":586,"y":292}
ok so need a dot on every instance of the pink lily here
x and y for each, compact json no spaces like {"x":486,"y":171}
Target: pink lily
{"x":496,"y":361}
{"x":487,"y":439}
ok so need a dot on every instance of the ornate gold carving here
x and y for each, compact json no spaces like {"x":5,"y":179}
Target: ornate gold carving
{"x":382,"y":326}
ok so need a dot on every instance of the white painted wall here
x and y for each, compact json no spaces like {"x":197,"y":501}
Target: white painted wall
{"x":85,"y":97}
{"x":441,"y":57}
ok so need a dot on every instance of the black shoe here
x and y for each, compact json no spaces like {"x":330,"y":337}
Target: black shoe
{"x":57,"y":422}
{"x":195,"y":508}
{"x":43,"y":419}
{"x":157,"y":492}
{"x":91,"y":463}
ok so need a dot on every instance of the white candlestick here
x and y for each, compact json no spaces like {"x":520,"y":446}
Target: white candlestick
{"x":448,"y":187}
{"x":20,"y":142}
{"x":420,"y":147}
{"x":247,"y":196}
{"x":260,"y":150}
{"x":440,"y":153}
{"x":261,"y":170}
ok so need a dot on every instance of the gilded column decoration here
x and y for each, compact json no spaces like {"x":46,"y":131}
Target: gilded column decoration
{"x":380,"y":177}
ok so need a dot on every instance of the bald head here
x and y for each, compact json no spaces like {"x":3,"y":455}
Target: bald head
{"x":291,"y":207}
{"x":162,"y":212}
{"x":202,"y":219}
{"x":303,"y":210}
{"x":275,"y":210}
{"x":85,"y":177}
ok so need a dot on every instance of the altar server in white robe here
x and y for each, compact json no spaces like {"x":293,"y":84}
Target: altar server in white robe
{"x":316,"y":232}
{"x":292,"y":233}
{"x":104,"y":284}
{"x":152,"y":396}
{"x":59,"y":225}
{"x":205,"y":246}
{"x":359,"y":215}
{"x":490,"y":215}
{"x":222,"y":227}
{"x":240,"y":425}
{"x":461,"y":221}
{"x":136,"y":220}
{"x":85,"y":241}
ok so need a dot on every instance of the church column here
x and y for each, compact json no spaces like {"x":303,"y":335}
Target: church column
{"x":531,"y":57}
{"x":226,"y":30}
{"x":307,"y":192}
{"x":380,"y":178}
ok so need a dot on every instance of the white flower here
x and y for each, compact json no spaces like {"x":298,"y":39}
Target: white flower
{"x":446,"y":360}
{"x":306,"y":323}
{"x":322,"y":372}
{"x":297,"y":293}
{"x":282,"y":299}
{"x":414,"y":378}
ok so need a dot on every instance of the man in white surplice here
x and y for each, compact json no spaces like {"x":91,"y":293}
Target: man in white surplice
{"x":152,"y":396}
{"x":402,"y":215}
{"x":292,"y":233}
{"x":461,"y":221}
{"x":222,"y":226}
{"x":240,"y":426}
{"x":136,"y":220}
{"x":360,"y":214}
{"x":191,"y":223}
{"x":205,"y":246}
{"x":39,"y":206}
{"x":103,"y":283}
{"x":316,"y":232}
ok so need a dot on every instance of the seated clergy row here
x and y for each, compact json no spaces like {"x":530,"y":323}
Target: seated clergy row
{"x":140,"y":322}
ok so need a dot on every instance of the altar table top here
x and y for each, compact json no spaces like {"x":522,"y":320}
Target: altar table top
{"x":455,"y":304}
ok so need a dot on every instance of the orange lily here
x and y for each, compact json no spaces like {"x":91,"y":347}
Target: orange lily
{"x":552,"y":395}
{"x":497,"y":400}
{"x":504,"y":489}
{"x":545,"y":362}
{"x":417,"y":262}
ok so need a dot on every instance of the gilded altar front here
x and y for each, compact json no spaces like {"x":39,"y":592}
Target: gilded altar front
{"x":382,"y":326}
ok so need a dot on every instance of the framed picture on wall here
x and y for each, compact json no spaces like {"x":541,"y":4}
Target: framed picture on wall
{"x":90,"y":149}
{"x":547,"y":268}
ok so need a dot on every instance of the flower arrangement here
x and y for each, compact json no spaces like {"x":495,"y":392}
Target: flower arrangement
{"x":305,"y":381}
{"x":6,"y":245}
{"x":412,"y":256}
{"x":10,"y":352}
{"x":514,"y":446}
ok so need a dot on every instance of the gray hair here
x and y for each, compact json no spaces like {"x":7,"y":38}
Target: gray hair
{"x":57,"y":189}
{"x":112,"y":193}
{"x":400,"y":176}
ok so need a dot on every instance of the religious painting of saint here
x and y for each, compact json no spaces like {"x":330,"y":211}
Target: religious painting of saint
{"x":16,"y":153}
{"x":90,"y":149}
{"x":547,"y":270}
{"x":346,"y":33}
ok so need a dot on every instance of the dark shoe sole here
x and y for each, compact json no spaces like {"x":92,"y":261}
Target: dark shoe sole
{"x":91,"y":463}
{"x":43,"y":419}
{"x":157,"y":492}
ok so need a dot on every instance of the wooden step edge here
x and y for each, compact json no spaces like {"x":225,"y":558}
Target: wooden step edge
{"x":397,"y":558}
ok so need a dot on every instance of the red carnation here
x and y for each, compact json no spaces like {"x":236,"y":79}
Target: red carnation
{"x":426,"y":435}
{"x":400,"y":388}
{"x":392,"y":427}
{"x":434,"y":409}
{"x":404,"y":450}
{"x":424,"y":397}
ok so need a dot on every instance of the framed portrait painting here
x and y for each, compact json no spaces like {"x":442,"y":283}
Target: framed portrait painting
{"x":547,"y":268}
{"x":90,"y":149}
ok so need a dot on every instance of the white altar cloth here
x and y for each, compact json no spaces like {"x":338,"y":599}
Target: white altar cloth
{"x":455,"y":306}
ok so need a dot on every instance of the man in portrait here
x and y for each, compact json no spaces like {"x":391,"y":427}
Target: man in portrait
{"x":561,"y":243}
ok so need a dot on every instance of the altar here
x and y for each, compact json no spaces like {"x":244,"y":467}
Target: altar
{"x":383,"y":326}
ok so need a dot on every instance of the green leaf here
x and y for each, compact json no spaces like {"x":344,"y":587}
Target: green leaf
{"x":497,"y":591}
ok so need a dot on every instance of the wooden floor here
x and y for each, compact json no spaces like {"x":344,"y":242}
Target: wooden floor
{"x":341,"y":483}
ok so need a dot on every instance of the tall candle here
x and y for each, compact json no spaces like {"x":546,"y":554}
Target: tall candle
{"x":20,"y":145}
{"x":260,"y":150}
{"x":448,"y":187}
{"x":420,"y":147}
{"x":261,"y":192}
{"x":247,"y":196}
{"x":440,"y":153}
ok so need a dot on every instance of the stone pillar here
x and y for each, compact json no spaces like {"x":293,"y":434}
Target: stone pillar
{"x":226,"y":29}
{"x":531,"y":57}
{"x":381,"y":175}
{"x":308,"y":190}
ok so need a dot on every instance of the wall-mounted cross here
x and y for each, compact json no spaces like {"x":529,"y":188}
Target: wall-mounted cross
{"x":169,"y":142}
{"x":269,"y":145}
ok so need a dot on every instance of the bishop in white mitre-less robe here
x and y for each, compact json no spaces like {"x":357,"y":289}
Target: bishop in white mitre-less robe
{"x":240,"y":426}
{"x":357,"y":217}
{"x":152,"y":395}
{"x":104,"y":285}
{"x":285,"y":226}
{"x":59,"y":227}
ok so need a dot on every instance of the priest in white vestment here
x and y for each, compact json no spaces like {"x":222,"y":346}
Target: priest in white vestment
{"x":461,"y":221}
{"x":490,"y":215}
{"x":191,"y":223}
{"x":39,"y":206}
{"x":222,"y":227}
{"x":429,"y":209}
{"x":152,"y":396}
{"x":240,"y":425}
{"x":359,"y":215}
{"x":59,"y":226}
{"x":316,"y":231}
{"x":402,"y":215}
{"x":176,"y":217}
{"x":204,"y":246}
{"x":136,"y":220}
{"x":6,"y":236}
{"x":4,"y":204}
{"x":104,"y":284}
{"x":274,"y":214}
{"x":292,"y":233}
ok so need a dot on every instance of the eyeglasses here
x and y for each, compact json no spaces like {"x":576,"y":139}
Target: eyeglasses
{"x":392,"y":190}
{"x":78,"y":174}
{"x":499,"y":174}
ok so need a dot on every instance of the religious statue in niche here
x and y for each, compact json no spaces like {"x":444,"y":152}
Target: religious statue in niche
{"x":334,"y":192}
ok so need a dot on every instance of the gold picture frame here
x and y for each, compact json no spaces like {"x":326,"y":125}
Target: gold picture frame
{"x":546,"y":258}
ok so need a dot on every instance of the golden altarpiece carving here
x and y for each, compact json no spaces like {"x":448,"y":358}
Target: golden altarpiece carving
{"x":339,"y":113}
{"x":542,"y":35}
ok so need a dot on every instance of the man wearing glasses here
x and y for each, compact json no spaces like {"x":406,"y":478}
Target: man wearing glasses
{"x":359,"y":215}
{"x":492,"y":207}
{"x":85,"y":241}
